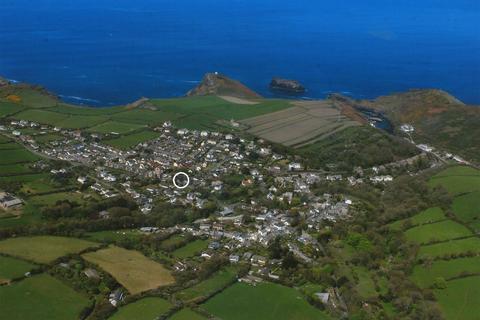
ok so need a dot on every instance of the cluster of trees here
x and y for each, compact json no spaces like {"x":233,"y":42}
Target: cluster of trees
{"x":118,"y":207}
{"x":73,"y":274}
{"x":357,"y":146}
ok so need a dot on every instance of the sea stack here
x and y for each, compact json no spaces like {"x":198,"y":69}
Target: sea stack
{"x":287,"y":86}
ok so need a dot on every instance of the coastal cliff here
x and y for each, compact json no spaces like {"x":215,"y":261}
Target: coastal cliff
{"x":218,"y":84}
{"x":439,"y":119}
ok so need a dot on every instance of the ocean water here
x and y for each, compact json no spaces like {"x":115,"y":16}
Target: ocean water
{"x":107,"y":52}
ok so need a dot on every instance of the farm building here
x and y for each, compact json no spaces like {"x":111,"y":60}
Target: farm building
{"x":8,"y":201}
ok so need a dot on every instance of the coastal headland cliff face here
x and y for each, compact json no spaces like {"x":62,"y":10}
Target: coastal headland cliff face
{"x":219,"y":84}
{"x":439,"y":118}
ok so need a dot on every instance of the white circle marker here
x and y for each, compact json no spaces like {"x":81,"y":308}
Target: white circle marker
{"x":181,"y":174}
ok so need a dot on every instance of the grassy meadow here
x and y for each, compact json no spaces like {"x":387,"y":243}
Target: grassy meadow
{"x":205,"y":112}
{"x":15,"y":156}
{"x":41,"y":116}
{"x":116,"y":127}
{"x":427,"y":216}
{"x":126,"y":142}
{"x":448,"y":254}
{"x":191,"y":249}
{"x":457,"y":180}
{"x":425,"y":276}
{"x":130,"y":268}
{"x":442,"y":249}
{"x":436,"y":232}
{"x":43,"y":249}
{"x":40,"y":297}
{"x":461,"y":298}
{"x":144,"y":309}
{"x":186,"y":314}
{"x":467,"y":207}
{"x":8,"y":108}
{"x":110,"y":236}
{"x":11,"y":268}
{"x":264,"y":301}
{"x":209,"y":286}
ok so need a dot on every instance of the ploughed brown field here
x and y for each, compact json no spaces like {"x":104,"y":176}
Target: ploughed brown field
{"x":304,"y":123}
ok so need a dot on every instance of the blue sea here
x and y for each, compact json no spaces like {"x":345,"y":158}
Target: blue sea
{"x":107,"y":52}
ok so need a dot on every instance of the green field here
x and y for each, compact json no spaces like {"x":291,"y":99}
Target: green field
{"x":450,"y":247}
{"x":191,"y":249}
{"x":19,"y":155}
{"x":11,"y":268}
{"x":24,"y":178}
{"x":113,"y":235}
{"x":79,"y":122}
{"x":42,"y":184}
{"x":59,"y":119}
{"x":31,"y":97}
{"x":172,"y":241}
{"x":188,"y":112}
{"x":29,"y":215}
{"x":10,"y":146}
{"x":425,"y":276}
{"x":461,"y":299}
{"x":116,"y":127}
{"x":52,"y":198}
{"x":41,"y":116}
{"x":209,"y":286}
{"x":467,"y":207}
{"x":186,"y":314}
{"x":428,"y":216}
{"x":85,"y":111}
{"x":475,"y":226}
{"x":265,"y":301}
{"x":457,"y":180}
{"x":43,"y":249}
{"x":131,"y":269}
{"x":365,"y":285}
{"x":131,"y":140}
{"x":14,"y":169}
{"x":458,"y":171}
{"x":438,"y":231}
{"x":145,"y":116}
{"x":44,"y":138}
{"x":4,"y":139}
{"x":40,"y":297}
{"x":204,"y":112}
{"x":7,"y":108}
{"x":144,"y":309}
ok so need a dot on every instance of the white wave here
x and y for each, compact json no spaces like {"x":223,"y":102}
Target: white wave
{"x":79,"y":99}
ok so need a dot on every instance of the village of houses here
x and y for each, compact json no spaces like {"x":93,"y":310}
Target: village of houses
{"x":207,"y":157}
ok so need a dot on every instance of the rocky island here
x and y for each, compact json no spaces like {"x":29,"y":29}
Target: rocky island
{"x":286,"y":85}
